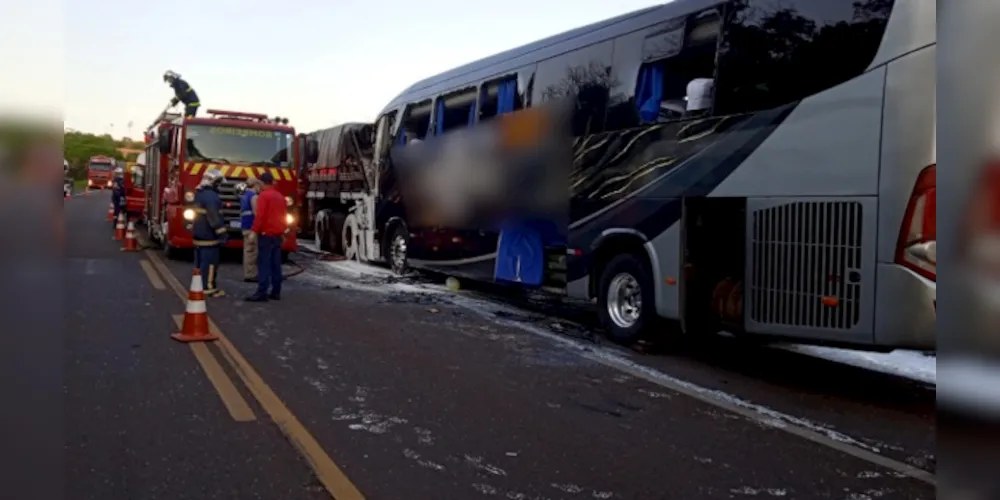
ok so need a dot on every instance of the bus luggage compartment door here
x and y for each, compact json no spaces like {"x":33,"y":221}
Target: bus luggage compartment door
{"x":810,"y":269}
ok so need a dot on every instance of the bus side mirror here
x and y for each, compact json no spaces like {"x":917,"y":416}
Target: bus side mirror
{"x":163,"y":143}
{"x":312,"y":151}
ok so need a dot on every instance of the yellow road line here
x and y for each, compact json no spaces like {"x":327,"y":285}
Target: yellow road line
{"x":154,"y":279}
{"x":329,"y":474}
{"x":231,"y":397}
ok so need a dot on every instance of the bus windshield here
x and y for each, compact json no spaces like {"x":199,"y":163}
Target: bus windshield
{"x":102,"y":167}
{"x":225,"y":145}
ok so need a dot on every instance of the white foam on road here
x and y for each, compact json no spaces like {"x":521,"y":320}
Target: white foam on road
{"x":907,"y":364}
{"x":619,"y":360}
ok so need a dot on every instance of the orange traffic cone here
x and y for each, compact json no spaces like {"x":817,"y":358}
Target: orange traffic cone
{"x":111,"y":211}
{"x":195,"y":325}
{"x":120,"y":227}
{"x":130,"y":243}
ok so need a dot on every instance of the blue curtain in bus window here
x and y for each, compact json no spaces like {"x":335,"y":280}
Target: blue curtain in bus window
{"x":472,"y":114}
{"x":506,"y":96}
{"x":520,"y":255}
{"x":439,"y":118}
{"x":649,"y":93}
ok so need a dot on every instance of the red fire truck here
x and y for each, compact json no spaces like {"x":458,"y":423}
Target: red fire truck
{"x":241,"y":145}
{"x":135,"y":194}
{"x":99,"y":172}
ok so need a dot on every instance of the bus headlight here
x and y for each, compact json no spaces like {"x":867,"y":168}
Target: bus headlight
{"x":289,"y":219}
{"x":109,"y":183}
{"x":289,"y":201}
{"x":188,"y":214}
{"x":189,"y":196}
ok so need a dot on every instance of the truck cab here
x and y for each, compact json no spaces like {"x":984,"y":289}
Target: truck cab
{"x":100,"y":171}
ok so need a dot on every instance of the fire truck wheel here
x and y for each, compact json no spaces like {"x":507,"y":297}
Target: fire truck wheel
{"x":335,"y":233}
{"x":169,"y":251}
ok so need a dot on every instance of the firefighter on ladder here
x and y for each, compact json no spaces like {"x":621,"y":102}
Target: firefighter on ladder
{"x":209,"y":230}
{"x":182,"y":93}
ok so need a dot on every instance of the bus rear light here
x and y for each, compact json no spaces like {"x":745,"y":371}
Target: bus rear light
{"x":982,"y":231}
{"x":917,"y":245}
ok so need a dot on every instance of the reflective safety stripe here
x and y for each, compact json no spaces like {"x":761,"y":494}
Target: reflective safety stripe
{"x":196,"y":283}
{"x":196,"y":307}
{"x":199,"y":210}
{"x":206,"y":243}
{"x":221,"y":230}
{"x":211,"y":277}
{"x":246,"y":212}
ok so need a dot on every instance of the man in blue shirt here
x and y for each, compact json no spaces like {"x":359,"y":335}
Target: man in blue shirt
{"x":248,"y":210}
{"x":182,"y":93}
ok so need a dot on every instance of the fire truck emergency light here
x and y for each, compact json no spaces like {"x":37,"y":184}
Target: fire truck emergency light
{"x":237,"y":115}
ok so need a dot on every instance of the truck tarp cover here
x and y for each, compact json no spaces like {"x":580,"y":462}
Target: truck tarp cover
{"x":340,"y":142}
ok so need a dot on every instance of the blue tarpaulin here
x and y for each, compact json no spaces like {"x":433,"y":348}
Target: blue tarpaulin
{"x":521,"y":250}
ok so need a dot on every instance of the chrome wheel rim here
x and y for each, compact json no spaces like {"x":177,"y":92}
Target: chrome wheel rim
{"x":624,"y":300}
{"x":398,"y":252}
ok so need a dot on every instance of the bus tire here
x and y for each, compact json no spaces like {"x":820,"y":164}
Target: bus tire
{"x":397,"y":245}
{"x":335,"y":233}
{"x":625,"y":298}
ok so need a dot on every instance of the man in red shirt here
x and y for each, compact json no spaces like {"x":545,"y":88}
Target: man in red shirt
{"x":269,"y":227}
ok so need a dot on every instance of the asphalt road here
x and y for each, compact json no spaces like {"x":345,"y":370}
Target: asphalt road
{"x":379,"y":391}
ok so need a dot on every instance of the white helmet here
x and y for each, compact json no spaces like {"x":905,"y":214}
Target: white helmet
{"x":119,"y":171}
{"x":211,"y":177}
{"x":170,"y":75}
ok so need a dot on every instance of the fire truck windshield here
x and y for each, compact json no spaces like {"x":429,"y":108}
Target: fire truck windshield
{"x":102,"y":167}
{"x":216,"y":144}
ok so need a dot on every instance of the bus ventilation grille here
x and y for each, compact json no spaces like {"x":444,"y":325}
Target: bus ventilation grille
{"x":806,"y":265}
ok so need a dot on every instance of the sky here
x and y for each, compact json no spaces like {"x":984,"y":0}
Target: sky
{"x":100,"y":64}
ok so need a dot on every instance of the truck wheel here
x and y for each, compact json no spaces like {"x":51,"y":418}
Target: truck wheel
{"x":335,"y":233}
{"x":349,"y":239}
{"x":397,"y":246}
{"x":625,"y":298}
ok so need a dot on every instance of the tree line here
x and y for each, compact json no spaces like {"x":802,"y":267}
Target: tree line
{"x":78,"y":147}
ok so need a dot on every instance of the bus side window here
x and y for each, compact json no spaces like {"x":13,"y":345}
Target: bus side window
{"x":776,"y":53}
{"x":455,"y":110}
{"x":679,"y":57}
{"x":416,"y":122}
{"x":584,"y":73}
{"x":498,"y":97}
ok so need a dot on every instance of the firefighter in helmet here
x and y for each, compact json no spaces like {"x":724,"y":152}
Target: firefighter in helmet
{"x":117,"y":193}
{"x":182,"y":93}
{"x":209,"y":230}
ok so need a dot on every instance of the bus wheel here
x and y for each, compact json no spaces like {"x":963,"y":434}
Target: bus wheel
{"x":398,"y":246}
{"x":625,"y":298}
